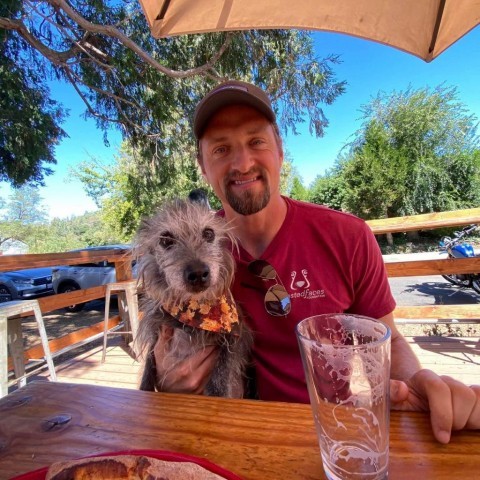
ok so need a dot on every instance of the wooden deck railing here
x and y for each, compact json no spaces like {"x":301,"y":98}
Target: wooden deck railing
{"x":123,"y":268}
{"x":430,"y":221}
{"x":123,"y":260}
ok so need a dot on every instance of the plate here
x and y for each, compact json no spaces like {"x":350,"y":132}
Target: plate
{"x":41,"y":473}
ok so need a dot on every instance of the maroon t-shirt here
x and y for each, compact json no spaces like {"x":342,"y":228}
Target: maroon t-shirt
{"x":329,"y":262}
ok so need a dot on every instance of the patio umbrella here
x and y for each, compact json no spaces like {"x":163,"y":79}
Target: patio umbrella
{"x":424,"y":28}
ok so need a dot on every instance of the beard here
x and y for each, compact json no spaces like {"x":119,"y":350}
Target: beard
{"x":248,"y":202}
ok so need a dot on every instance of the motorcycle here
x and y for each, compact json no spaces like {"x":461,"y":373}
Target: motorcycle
{"x":457,"y":247}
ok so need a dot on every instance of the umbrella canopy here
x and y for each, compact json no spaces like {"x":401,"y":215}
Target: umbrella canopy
{"x":424,"y":28}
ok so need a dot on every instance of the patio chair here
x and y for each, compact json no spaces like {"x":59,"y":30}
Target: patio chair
{"x":129,"y":288}
{"x":11,"y":328}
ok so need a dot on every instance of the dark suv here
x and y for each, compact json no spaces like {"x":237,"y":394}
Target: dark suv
{"x":79,"y":277}
{"x":25,"y":284}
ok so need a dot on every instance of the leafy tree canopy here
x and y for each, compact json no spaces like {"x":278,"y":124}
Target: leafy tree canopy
{"x":148,"y":88}
{"x":416,"y":152}
{"x":64,"y":234}
{"x":328,"y":190}
{"x":21,"y":214}
{"x":29,"y":119}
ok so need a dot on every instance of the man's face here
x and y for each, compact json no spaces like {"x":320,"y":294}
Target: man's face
{"x":241,"y":157}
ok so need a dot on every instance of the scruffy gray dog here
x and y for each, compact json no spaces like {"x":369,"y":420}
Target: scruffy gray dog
{"x":186,"y":268}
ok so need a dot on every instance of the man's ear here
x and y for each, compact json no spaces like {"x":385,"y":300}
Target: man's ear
{"x":200,"y":164}
{"x":200,"y":159}
{"x":281,"y":155}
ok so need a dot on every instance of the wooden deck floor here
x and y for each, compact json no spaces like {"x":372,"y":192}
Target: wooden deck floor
{"x":456,"y":357}
{"x":119,"y":370}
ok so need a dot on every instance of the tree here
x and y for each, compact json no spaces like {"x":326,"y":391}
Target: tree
{"x":415,"y":153}
{"x":29,"y":119}
{"x":126,"y":194}
{"x":148,"y":88}
{"x":298,"y":191}
{"x":63,"y":234}
{"x":328,"y":190}
{"x":21,"y":214}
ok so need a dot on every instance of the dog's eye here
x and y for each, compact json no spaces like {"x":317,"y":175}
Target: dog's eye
{"x":167,"y":240}
{"x":208,"y":235}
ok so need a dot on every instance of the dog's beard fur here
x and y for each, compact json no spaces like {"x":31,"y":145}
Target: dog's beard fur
{"x":184,"y":234}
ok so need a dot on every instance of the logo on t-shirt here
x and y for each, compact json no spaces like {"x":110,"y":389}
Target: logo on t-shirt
{"x":301,"y":286}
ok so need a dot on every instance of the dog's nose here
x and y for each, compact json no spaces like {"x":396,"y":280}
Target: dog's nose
{"x":197,"y":274}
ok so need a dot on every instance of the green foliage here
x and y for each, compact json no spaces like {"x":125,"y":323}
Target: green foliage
{"x":21,"y":215}
{"x":130,"y":188}
{"x":62,"y":235}
{"x":328,"y":190}
{"x":29,"y":119}
{"x":298,"y":191}
{"x":149,"y":89}
{"x":24,"y":218}
{"x":417,"y":152}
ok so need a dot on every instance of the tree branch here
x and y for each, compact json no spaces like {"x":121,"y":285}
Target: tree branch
{"x":98,"y":115}
{"x":57,"y":58}
{"x":113,"y":32}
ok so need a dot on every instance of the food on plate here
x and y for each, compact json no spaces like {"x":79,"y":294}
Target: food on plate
{"x":129,"y":467}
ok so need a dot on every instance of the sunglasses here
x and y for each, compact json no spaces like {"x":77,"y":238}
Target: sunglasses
{"x":277,"y":301}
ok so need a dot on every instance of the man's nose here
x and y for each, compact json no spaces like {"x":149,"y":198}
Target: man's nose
{"x":242,"y":159}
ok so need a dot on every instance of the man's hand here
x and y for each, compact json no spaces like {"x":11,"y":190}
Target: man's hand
{"x":452,"y":404}
{"x":177,"y":372}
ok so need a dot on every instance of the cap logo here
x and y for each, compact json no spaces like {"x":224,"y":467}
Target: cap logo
{"x":231,"y":87}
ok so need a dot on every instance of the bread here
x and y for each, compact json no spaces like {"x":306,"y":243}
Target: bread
{"x":127,"y":467}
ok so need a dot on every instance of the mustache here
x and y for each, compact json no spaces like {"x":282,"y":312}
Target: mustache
{"x":237,"y":175}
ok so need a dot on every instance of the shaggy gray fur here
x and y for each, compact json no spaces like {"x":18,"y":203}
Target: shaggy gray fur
{"x":184,"y":253}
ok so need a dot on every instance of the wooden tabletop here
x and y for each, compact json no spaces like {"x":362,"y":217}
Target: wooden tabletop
{"x":46,"y":422}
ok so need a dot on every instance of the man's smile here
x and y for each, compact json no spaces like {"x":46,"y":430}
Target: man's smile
{"x":245,"y":182}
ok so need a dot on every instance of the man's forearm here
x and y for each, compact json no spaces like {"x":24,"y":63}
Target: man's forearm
{"x":404,"y":361}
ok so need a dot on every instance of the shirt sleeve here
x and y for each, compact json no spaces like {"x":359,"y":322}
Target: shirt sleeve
{"x":372,"y":294}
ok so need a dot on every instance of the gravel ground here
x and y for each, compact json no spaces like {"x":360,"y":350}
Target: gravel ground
{"x":443,"y":330}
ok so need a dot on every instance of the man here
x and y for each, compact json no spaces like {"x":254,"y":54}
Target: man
{"x":318,"y":261}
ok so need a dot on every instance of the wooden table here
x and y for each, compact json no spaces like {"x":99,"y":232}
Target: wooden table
{"x":255,"y":440}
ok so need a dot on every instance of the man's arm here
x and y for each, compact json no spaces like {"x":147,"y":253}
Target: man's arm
{"x":405,"y":363}
{"x":452,"y":404}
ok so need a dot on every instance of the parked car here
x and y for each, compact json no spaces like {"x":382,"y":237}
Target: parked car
{"x":25,"y":284}
{"x":69,"y":278}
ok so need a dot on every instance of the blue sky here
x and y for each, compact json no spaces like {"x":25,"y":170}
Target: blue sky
{"x":367,"y":67}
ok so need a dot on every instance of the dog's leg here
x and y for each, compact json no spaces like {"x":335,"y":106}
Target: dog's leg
{"x":228,"y":376}
{"x":149,"y":376}
{"x":222,"y":382}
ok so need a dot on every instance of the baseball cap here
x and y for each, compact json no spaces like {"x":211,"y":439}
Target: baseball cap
{"x":230,"y":93}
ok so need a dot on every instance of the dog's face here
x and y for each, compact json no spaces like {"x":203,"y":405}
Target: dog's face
{"x":184,"y":253}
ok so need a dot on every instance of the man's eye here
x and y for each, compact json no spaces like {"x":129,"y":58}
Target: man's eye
{"x":208,"y":235}
{"x":220,"y":150}
{"x":167,"y":240}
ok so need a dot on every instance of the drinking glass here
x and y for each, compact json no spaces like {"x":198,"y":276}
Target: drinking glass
{"x":346,"y":359}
